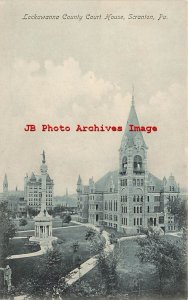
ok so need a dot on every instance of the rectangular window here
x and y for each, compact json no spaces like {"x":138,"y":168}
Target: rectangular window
{"x":137,"y":221}
{"x":142,"y":182}
{"x":161,"y":220}
{"x":148,"y":208}
{"x":140,"y":209}
{"x":123,"y":182}
{"x":138,"y":182}
{"x":140,"y":221}
{"x":148,"y":198}
{"x":134,"y":209}
{"x":134,"y":221}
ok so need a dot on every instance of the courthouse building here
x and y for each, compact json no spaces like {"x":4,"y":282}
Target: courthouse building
{"x":130,"y":197}
{"x":33,"y":191}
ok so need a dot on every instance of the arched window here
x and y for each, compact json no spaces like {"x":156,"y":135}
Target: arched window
{"x":124,"y":164}
{"x":137,"y":165}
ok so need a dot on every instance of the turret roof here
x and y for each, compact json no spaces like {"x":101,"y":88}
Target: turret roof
{"x":130,"y":135}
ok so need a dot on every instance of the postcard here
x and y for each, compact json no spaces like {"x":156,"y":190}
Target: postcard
{"x":93,"y":175}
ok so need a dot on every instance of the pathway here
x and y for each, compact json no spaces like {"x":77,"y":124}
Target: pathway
{"x":88,"y":265}
{"x":43,"y":245}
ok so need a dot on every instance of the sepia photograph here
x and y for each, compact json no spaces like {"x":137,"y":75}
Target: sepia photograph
{"x":93,"y":176}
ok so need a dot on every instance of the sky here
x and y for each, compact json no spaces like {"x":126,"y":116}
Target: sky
{"x":73,"y":72}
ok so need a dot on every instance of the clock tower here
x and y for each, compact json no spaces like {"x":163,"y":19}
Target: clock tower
{"x":132,"y":181}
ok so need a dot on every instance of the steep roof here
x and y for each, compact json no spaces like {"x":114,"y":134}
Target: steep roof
{"x":102,"y":185}
{"x":129,"y":136}
{"x":158,"y":183}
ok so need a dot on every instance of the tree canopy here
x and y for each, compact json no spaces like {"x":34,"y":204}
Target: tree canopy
{"x":178,"y":208}
{"x":169,"y":258}
{"x":8,"y":230}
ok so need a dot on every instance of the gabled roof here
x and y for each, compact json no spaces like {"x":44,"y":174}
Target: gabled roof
{"x":32,"y":176}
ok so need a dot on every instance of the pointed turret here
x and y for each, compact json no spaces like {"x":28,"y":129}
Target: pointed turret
{"x":131,"y":138}
{"x":164,"y":180}
{"x":5,"y":184}
{"x":79,"y":184}
{"x":91,"y":185}
{"x":79,"y":180}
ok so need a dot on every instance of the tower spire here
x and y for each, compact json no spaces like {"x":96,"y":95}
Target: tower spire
{"x":133,"y":95}
{"x":5,"y":184}
{"x":43,"y":157}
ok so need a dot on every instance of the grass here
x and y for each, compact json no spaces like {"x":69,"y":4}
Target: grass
{"x":23,"y":267}
{"x":17,"y":246}
{"x":31,"y":224}
{"x":133,"y":275}
{"x":70,"y":236}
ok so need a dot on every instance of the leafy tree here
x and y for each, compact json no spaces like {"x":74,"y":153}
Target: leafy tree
{"x":107,"y":267}
{"x":32,"y":212}
{"x":48,"y":276}
{"x":96,"y":244}
{"x":168,"y":257}
{"x":23,"y":222}
{"x":90,"y":234}
{"x":8,"y":230}
{"x":66,"y":219}
{"x":58,"y":209}
{"x":178,"y":208}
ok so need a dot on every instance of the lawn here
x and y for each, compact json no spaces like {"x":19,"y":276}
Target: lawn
{"x":19,"y":246}
{"x":57,"y":222}
{"x":22,"y":268}
{"x":133,"y":275}
{"x":131,"y":272}
{"x":68,"y":237}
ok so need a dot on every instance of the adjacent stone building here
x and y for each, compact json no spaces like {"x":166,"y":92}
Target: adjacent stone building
{"x":33,"y":191}
{"x":130,"y":197}
{"x":14,"y":199}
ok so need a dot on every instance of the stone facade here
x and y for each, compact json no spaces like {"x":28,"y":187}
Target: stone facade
{"x":14,"y":199}
{"x":130,"y":197}
{"x":33,"y":191}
